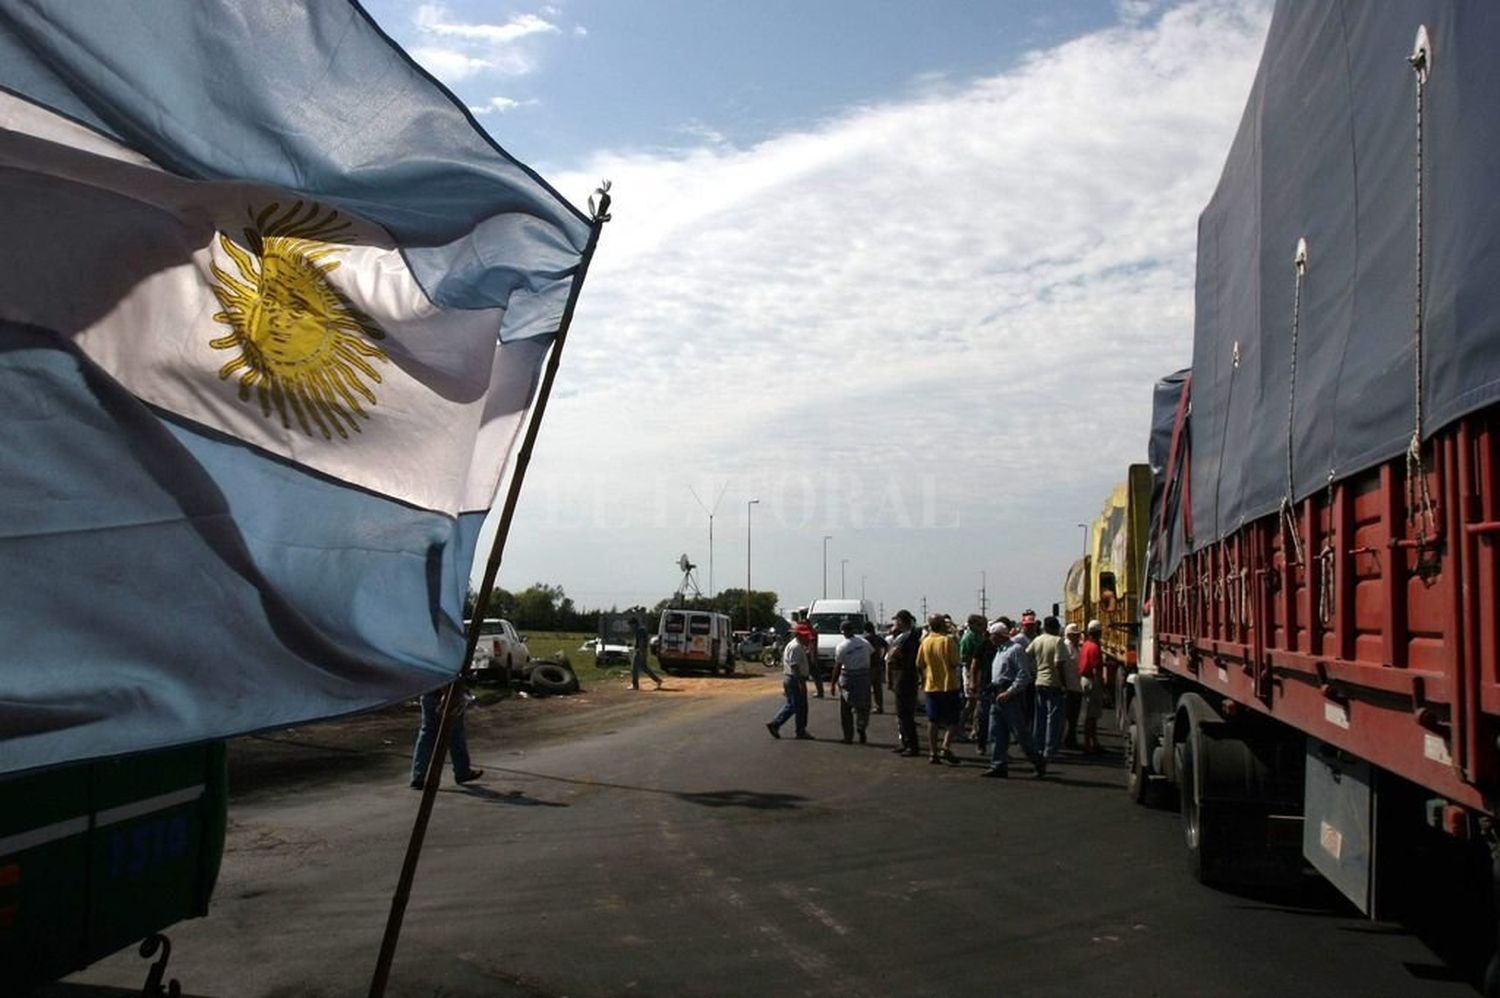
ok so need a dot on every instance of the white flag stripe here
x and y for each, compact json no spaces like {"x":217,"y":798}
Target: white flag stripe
{"x":395,"y":391}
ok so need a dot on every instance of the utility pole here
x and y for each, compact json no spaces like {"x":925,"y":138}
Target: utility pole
{"x":1085,"y":527}
{"x":826,"y":539}
{"x":842,"y":565}
{"x":882,"y":611}
{"x":710,"y":512}
{"x":861,"y":587}
{"x":924,"y":609}
{"x":984,"y":602}
{"x":749,"y":503}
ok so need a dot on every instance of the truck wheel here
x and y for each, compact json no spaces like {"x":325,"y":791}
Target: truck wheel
{"x":1191,"y":808}
{"x":549,"y":678}
{"x":1215,"y":854}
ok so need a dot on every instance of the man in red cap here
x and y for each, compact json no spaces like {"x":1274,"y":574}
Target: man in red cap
{"x":795,"y":666}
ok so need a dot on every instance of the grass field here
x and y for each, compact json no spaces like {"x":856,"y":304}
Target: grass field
{"x":545,"y":645}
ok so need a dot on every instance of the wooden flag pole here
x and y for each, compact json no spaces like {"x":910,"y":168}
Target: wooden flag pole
{"x":453,"y":693}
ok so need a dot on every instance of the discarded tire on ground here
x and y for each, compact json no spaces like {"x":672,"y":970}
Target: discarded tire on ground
{"x":549,"y":678}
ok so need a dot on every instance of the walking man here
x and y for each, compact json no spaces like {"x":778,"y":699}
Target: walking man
{"x":937,"y":657}
{"x":458,"y":746}
{"x":851,"y":677}
{"x":794,"y":672}
{"x":638,"y":661}
{"x":1047,"y":658}
{"x":1009,"y":677}
{"x":901,"y":678}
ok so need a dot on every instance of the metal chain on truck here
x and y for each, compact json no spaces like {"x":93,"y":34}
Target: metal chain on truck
{"x":1288,"y":511}
{"x":1325,"y":563}
{"x":1420,"y":508}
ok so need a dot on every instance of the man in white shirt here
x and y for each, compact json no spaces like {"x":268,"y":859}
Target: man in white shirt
{"x":851,"y":677}
{"x":795,"y":666}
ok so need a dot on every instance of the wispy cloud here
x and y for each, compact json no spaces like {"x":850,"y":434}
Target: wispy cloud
{"x":499,"y":105}
{"x":971,"y":292}
{"x":454,"y":49}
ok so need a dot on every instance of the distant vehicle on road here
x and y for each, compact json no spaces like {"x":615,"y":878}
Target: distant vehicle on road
{"x":756,"y":646}
{"x":826,"y":617}
{"x":501,"y":652}
{"x":606,"y":651}
{"x":695,"y":639}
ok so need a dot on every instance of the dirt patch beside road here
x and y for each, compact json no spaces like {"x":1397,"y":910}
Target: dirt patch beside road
{"x":380,"y":742}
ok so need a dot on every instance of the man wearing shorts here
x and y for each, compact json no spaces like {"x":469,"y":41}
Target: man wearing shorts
{"x":938,"y":659}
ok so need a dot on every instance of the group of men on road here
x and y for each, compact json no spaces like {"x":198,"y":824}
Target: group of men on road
{"x":1001,"y":680}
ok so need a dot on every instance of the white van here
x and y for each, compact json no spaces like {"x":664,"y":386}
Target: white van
{"x":695,"y":639}
{"x":827,"y":617}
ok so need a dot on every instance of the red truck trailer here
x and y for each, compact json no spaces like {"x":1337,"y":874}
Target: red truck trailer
{"x":1320,"y":672}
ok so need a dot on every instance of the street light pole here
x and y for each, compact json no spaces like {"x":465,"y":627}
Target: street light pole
{"x":1085,"y":527}
{"x":748,"y":504}
{"x":842,"y":565}
{"x":826,"y":539}
{"x":861,"y":587}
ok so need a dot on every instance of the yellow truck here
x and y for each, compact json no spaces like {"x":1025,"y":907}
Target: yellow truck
{"x":1106,"y":583}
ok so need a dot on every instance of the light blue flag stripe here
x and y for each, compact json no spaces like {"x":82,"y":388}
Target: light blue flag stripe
{"x":166,"y":585}
{"x":311,"y":97}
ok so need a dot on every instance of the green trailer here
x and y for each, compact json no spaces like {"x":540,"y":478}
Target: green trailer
{"x":97,"y":856}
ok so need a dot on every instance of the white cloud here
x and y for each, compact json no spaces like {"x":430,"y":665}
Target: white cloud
{"x":499,"y":105}
{"x":448,"y":64}
{"x":433,"y":19}
{"x":955,"y":305}
{"x":454,"y":49}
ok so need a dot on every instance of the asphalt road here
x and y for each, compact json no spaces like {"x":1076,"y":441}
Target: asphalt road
{"x":669,"y":847}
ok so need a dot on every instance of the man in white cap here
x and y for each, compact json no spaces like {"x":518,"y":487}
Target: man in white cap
{"x":1073,"y":687}
{"x":1010,"y":677}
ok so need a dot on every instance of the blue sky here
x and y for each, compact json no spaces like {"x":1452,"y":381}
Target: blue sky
{"x":905,"y":272}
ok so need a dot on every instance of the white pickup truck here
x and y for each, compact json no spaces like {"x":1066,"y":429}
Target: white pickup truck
{"x":501,"y":652}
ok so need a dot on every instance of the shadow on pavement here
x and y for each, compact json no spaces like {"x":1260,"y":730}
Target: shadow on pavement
{"x":754,"y":799}
{"x":515,"y":797}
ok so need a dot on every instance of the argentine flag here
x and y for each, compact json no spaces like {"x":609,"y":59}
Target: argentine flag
{"x":273,"y":311}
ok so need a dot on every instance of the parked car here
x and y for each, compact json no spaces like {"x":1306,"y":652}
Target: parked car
{"x":757,"y":646}
{"x":606,"y":651}
{"x":501,"y":652}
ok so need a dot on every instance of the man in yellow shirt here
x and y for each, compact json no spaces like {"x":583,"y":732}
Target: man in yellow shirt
{"x":937,"y":658}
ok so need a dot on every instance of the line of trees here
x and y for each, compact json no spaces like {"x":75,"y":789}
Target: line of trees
{"x":545,"y":607}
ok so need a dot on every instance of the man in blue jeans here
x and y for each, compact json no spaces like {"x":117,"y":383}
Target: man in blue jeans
{"x":458,"y":747}
{"x":794,"y":672}
{"x":1010,"y":675}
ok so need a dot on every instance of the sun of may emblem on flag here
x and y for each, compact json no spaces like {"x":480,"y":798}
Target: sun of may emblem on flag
{"x":301,"y":344}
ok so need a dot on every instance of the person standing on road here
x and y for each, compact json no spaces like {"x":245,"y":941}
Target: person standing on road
{"x":1072,"y":686}
{"x":878,"y":647}
{"x":1009,"y":676}
{"x":1047,"y":658}
{"x":901,"y":678}
{"x":851,"y":677}
{"x":1091,"y":676}
{"x":794,"y":671}
{"x":969,"y":642}
{"x":458,"y":746}
{"x":938,"y":659}
{"x":638,"y":662}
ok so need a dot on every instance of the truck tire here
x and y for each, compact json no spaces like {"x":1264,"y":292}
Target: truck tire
{"x":547,"y":677}
{"x":1191,"y":808}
